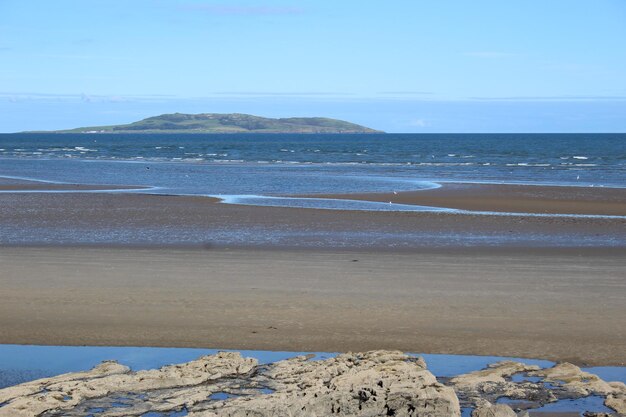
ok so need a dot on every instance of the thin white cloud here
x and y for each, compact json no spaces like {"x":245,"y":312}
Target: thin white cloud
{"x":222,"y":95}
{"x":316,"y":96}
{"x":14,"y":97}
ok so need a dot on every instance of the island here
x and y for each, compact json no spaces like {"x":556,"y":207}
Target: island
{"x":227,"y":123}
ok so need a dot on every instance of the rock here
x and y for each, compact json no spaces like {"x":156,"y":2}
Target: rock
{"x":478,"y":389}
{"x":593,"y":414}
{"x":367,"y":384}
{"x":353,"y":384}
{"x":226,"y":384}
{"x":577,"y":380}
{"x":104,"y":369}
{"x":497,"y":410}
{"x":34,"y":398}
{"x":495,"y":372}
{"x":617,"y":402}
{"x":581,"y":383}
{"x":68,"y":391}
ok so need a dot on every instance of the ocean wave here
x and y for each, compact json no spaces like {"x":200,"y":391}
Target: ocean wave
{"x":528,"y":164}
{"x":222,"y":158}
{"x":444,"y":164}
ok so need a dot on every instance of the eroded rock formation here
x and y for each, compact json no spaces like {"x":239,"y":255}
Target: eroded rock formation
{"x":365,"y":384}
{"x":377,"y":383}
{"x":534,"y":388}
{"x":577,"y":381}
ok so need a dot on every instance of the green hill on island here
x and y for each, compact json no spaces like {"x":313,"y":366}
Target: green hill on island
{"x":228,"y":123}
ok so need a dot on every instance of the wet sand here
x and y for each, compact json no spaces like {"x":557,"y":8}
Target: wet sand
{"x":507,"y":198}
{"x":553,"y":304}
{"x":142,"y":219}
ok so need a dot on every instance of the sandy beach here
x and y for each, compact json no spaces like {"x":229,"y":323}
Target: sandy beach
{"x":472,"y":292}
{"x":550,"y":304}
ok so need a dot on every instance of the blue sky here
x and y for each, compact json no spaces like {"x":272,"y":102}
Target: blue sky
{"x":396,"y":65}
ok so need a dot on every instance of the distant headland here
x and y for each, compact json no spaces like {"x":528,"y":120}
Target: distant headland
{"x":227,"y":123}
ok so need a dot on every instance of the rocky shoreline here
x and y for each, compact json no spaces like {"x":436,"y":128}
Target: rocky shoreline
{"x":376,"y":383}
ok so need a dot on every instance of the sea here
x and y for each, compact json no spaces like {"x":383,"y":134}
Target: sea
{"x":280,"y":164}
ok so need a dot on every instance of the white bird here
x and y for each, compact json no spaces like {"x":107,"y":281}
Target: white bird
{"x":395,"y":192}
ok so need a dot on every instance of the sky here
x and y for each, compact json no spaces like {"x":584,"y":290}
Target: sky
{"x":396,"y":65}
